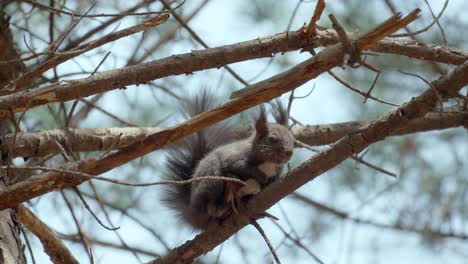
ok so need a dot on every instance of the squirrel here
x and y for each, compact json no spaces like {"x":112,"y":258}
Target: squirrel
{"x":217,"y":151}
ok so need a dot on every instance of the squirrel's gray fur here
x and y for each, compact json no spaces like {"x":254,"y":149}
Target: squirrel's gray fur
{"x":215,"y":151}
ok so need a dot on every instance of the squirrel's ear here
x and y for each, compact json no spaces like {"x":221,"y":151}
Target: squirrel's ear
{"x":280,"y":113}
{"x":261,"y":123}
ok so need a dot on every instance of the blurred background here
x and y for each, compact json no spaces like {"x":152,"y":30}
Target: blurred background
{"x":351,"y":214}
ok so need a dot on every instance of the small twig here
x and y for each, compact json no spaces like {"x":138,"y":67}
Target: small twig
{"x":354,"y":157}
{"x":28,"y":245}
{"x":436,"y":20}
{"x":60,"y":11}
{"x":372,"y":166}
{"x":102,"y":243}
{"x":426,"y":82}
{"x":65,"y":155}
{"x":290,"y":101}
{"x":348,"y":47}
{"x":15,"y":135}
{"x":168,"y":35}
{"x":347,"y":85}
{"x":104,"y":211}
{"x":199,"y":39}
{"x":104,"y":111}
{"x":267,"y":241}
{"x":51,"y":23}
{"x":219,"y":254}
{"x":86,"y":205}
{"x":137,"y":220}
{"x":372,"y":87}
{"x":76,"y":51}
{"x":56,"y":44}
{"x":93,"y":177}
{"x":399,"y":227}
{"x":75,"y":103}
{"x":385,"y":28}
{"x":292,"y":98}
{"x":82,"y":235}
{"x":317,"y":14}
{"x":298,"y":243}
{"x":442,"y":32}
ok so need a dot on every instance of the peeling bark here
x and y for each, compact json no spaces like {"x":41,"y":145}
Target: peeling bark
{"x":39,"y":144}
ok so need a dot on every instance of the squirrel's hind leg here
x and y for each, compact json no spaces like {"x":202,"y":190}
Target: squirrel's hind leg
{"x":208,"y":196}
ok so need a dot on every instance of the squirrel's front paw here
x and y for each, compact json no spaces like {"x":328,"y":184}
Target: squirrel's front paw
{"x":251,"y":187}
{"x":217,"y":210}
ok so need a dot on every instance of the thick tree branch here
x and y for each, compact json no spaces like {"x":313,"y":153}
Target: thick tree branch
{"x":212,"y":58}
{"x":104,"y":139}
{"x":353,"y":143}
{"x":52,"y":244}
{"x":316,"y":135}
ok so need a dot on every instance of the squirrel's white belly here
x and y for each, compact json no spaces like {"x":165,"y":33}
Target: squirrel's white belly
{"x":270,"y":169}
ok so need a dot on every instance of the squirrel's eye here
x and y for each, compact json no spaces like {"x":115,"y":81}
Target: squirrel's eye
{"x":273,"y":139}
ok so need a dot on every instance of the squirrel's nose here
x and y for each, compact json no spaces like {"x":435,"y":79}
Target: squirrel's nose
{"x":288,"y":153}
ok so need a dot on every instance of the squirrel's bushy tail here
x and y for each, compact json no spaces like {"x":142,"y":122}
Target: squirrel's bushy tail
{"x":184,"y":156}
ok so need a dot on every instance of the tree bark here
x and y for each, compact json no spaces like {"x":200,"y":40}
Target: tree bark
{"x":11,"y":247}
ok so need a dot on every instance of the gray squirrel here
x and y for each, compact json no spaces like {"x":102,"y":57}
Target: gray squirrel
{"x":217,"y":151}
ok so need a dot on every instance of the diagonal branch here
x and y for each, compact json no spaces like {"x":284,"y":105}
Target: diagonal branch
{"x":316,"y":135}
{"x":353,"y":143}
